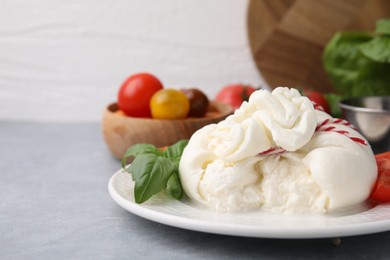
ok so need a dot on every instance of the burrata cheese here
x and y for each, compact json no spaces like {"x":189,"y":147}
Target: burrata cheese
{"x":277,"y":152}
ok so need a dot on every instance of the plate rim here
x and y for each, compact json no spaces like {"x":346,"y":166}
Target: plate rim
{"x":232,"y":229}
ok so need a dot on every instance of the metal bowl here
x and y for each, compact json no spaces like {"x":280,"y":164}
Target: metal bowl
{"x":371,"y":116}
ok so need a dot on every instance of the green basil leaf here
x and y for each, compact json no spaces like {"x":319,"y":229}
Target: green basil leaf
{"x":334,"y":101}
{"x":139,"y":149}
{"x":378,"y":49}
{"x":373,"y":80}
{"x":175,"y":150}
{"x":174,"y":187}
{"x":343,"y":60}
{"x":150,"y":173}
{"x":383,"y":26}
{"x":358,"y":63}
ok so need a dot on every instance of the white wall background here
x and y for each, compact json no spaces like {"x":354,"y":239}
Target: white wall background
{"x":64,"y":60}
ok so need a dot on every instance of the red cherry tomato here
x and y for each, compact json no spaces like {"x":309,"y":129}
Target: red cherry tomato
{"x":135,"y":93}
{"x":318,"y":98}
{"x":235,"y":94}
{"x":381,"y":190}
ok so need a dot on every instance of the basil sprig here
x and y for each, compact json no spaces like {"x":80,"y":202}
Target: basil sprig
{"x":358,"y":63}
{"x":154,"y":170}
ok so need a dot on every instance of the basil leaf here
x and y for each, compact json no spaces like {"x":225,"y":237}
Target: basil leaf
{"x":358,"y":63}
{"x":154,"y":170}
{"x":378,"y":49}
{"x":343,"y":60}
{"x":174,"y":187}
{"x":334,"y":101}
{"x":139,"y":149}
{"x":150,"y":173}
{"x":175,"y":150}
{"x":373,"y":80}
{"x":383,"y":26}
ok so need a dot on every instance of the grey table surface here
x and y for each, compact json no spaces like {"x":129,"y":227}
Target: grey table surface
{"x":54,"y":204}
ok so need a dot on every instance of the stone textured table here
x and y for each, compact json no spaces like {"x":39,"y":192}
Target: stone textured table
{"x":54,"y":204}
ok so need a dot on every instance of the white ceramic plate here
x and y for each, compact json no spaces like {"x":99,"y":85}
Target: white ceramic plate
{"x":357,"y":220}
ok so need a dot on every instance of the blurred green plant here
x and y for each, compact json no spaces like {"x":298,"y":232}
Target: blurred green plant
{"x":358,"y":64}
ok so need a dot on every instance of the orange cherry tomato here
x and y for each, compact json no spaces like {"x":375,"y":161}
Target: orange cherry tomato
{"x":169,"y":104}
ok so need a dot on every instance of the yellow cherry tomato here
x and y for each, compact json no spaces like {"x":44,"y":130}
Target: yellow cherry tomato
{"x":169,"y":104}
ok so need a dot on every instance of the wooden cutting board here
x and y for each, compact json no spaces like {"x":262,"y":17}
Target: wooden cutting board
{"x":287,"y":37}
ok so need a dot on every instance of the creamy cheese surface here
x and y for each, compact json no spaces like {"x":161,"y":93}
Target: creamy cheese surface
{"x":278,"y":153}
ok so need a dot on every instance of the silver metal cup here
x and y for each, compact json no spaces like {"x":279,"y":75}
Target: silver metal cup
{"x":371,"y":116}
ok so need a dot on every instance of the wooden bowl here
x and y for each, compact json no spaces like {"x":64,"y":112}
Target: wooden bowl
{"x":121,"y":131}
